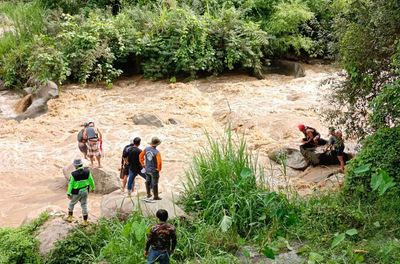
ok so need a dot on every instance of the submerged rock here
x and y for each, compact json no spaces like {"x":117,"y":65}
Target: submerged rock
{"x":147,"y":120}
{"x":285,"y":67}
{"x":293,"y":157}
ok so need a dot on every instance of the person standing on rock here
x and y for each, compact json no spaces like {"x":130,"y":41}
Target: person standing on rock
{"x":150,"y":158}
{"x":135,"y":166}
{"x":339,"y":149}
{"x":161,"y":241}
{"x":80,"y":182}
{"x":82,"y":142}
{"x":94,"y":141}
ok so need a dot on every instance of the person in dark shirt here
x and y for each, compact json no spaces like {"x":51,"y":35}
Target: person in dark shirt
{"x":161,"y":241}
{"x":312,"y":138}
{"x":339,"y":149}
{"x":124,"y":171}
{"x":132,"y":160}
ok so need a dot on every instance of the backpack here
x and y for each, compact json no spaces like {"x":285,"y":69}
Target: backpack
{"x":91,"y":133}
{"x":80,"y":136}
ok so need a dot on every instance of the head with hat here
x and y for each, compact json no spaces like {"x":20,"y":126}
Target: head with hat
{"x":90,"y":122}
{"x":301,"y":127}
{"x":155,"y":141}
{"x":78,"y":163}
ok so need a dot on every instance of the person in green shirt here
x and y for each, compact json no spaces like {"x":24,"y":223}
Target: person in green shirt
{"x":80,"y":182}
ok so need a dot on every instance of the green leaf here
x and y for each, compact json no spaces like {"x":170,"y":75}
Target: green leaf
{"x":269,"y":252}
{"x":246,"y":173}
{"x":338,"y":239}
{"x":376,"y":180}
{"x":352,"y":232}
{"x":226,"y":223}
{"x":315,"y":258}
{"x":362,"y":169}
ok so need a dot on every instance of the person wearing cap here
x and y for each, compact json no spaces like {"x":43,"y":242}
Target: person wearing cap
{"x":80,"y":182}
{"x":331,"y":140}
{"x":150,"y":159}
{"x":312,"y":138}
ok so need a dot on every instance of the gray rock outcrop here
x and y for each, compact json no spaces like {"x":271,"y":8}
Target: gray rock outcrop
{"x":36,"y":104}
{"x":53,"y":230}
{"x":293,"y":158}
{"x":285,"y":67}
{"x":106,"y":181}
{"x":147,"y":120}
{"x":118,"y":204}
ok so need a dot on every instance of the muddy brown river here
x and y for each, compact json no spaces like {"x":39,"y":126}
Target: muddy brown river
{"x":33,"y":152}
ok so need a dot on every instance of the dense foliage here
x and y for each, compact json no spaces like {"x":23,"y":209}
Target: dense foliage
{"x":222,"y":187}
{"x":379,"y":155}
{"x":369,"y":35}
{"x":82,"y":41}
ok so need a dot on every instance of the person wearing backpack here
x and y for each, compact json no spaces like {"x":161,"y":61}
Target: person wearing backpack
{"x":94,"y":139}
{"x":82,"y":142}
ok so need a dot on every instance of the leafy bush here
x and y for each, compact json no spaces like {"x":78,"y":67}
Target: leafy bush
{"x":379,"y":152}
{"x":386,"y":107}
{"x":222,"y":188}
{"x":18,"y":245}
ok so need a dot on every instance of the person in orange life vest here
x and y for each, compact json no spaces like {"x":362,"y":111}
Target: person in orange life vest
{"x":150,"y":158}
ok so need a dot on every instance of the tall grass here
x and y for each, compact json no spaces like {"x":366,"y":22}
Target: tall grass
{"x":225,"y":186}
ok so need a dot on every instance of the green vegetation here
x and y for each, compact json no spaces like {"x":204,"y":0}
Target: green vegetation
{"x":18,"y":245}
{"x":81,"y":40}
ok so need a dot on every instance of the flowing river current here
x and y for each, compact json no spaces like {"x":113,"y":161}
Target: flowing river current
{"x":34,"y":151}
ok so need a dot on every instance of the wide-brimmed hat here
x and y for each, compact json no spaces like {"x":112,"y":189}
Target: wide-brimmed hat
{"x":155,"y":141}
{"x":78,"y":163}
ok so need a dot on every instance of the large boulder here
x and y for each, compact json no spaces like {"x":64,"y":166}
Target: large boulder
{"x":318,"y":156}
{"x":285,"y":67}
{"x":147,"y":120}
{"x":118,"y":204}
{"x":52,"y":210}
{"x":54,"y":230}
{"x":67,"y":170}
{"x":293,"y":158}
{"x":35,"y":102}
{"x":106,"y":181}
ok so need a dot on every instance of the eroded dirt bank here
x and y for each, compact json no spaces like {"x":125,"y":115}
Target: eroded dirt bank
{"x":33,"y":152}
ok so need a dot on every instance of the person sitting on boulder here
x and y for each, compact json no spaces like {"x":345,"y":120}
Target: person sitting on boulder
{"x":94,"y":141}
{"x":161,"y":241}
{"x":80,"y":182}
{"x":331,"y":140}
{"x":339,"y":149}
{"x":311,"y":138}
{"x":82,"y":142}
{"x":150,"y":158}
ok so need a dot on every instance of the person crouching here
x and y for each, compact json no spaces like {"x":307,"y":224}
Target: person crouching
{"x":80,"y":182}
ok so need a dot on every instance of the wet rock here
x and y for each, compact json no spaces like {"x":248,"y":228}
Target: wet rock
{"x":52,"y":210}
{"x":39,"y":98}
{"x":147,"y":120}
{"x":118,"y":204}
{"x":318,"y":156}
{"x":23,"y":104}
{"x":294,"y":158}
{"x":106,"y":181}
{"x":173,"y":121}
{"x":285,"y":67}
{"x":318,"y":174}
{"x":67,"y":170}
{"x":54,"y":230}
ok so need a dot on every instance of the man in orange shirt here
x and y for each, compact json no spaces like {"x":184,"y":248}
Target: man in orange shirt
{"x":150,"y":158}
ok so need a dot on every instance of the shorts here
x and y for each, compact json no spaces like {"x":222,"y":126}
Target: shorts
{"x":124,"y":171}
{"x":339,"y":151}
{"x":93,"y":148}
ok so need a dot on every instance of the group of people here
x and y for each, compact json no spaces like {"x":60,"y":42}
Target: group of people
{"x":334,"y":145}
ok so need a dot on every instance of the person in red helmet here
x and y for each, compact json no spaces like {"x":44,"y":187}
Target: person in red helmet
{"x":312,"y":138}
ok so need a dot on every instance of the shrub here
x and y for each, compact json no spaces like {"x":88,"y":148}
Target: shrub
{"x":18,"y":245}
{"x":379,"y":152}
{"x":222,"y":188}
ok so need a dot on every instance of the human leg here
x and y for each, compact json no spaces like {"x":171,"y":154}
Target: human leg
{"x":341,"y":163}
{"x":154,"y":179}
{"x":83,"y":199}
{"x":157,"y":256}
{"x":74,"y":200}
{"x":148,"y":184}
{"x":131,"y":180}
